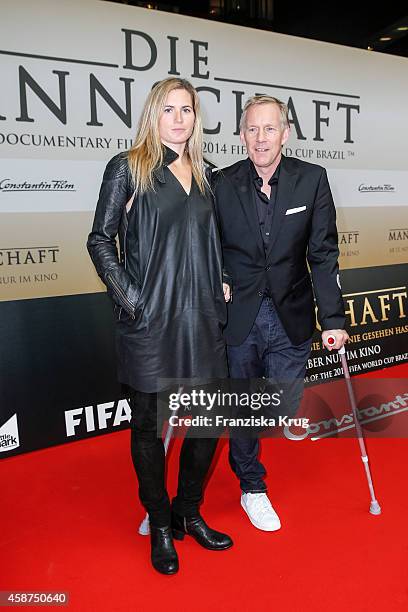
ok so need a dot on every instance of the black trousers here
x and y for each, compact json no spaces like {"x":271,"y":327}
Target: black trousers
{"x":149,"y":462}
{"x":266,"y":352}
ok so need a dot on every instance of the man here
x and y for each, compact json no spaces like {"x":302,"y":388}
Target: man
{"x":276,"y":217}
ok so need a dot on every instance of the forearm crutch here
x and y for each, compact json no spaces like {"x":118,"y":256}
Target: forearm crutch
{"x":144,"y":527}
{"x":375,"y":507}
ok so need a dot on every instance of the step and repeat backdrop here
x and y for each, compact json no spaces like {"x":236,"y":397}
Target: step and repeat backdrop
{"x":74,"y":77}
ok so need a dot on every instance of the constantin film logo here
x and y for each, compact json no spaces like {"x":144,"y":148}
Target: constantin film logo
{"x":336,"y":424}
{"x":8,"y":185}
{"x":9,"y":438}
{"x":384,"y":188}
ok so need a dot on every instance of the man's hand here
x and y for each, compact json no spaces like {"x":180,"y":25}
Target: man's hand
{"x":227,"y":292}
{"x":341,"y":338}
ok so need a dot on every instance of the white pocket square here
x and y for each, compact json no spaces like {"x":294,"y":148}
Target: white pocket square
{"x":292,"y":211}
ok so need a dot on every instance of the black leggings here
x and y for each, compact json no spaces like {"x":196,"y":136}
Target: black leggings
{"x":149,"y":462}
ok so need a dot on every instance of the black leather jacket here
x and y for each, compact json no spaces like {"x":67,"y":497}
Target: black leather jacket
{"x":166,"y":283}
{"x":111,"y":220}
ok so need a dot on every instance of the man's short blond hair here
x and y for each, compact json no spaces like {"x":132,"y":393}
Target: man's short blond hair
{"x":264,"y":99}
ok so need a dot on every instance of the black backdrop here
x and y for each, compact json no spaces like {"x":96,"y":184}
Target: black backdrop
{"x":57,"y":354}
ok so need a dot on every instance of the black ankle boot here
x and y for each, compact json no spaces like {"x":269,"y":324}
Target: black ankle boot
{"x":199,"y":530}
{"x":164,"y":556}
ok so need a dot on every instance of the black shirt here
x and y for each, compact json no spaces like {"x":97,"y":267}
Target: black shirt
{"x":264,"y":205}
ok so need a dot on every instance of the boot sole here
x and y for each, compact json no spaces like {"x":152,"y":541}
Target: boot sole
{"x":180,"y":535}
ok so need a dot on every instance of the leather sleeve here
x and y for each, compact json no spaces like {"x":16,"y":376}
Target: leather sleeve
{"x":322,"y":256}
{"x":101,"y":244}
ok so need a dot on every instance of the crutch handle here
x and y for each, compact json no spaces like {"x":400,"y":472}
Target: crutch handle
{"x":331,"y":340}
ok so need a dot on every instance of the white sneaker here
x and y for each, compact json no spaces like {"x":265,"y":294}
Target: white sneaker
{"x":260,"y":512}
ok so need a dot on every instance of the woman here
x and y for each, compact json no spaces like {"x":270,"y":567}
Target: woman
{"x":168,"y":298}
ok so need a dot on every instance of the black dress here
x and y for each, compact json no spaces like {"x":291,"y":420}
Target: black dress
{"x":171,"y":252}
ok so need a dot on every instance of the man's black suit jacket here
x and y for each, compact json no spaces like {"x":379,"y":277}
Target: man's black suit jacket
{"x":303,"y":233}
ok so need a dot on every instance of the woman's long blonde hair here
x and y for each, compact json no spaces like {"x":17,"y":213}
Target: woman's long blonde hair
{"x":146,"y":154}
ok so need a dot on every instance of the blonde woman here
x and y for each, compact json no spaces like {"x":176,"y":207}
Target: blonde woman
{"x":166,"y":286}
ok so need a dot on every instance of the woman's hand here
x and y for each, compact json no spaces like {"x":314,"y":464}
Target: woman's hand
{"x":227,"y":292}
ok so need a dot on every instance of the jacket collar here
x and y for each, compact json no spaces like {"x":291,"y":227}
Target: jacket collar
{"x":168,"y":157}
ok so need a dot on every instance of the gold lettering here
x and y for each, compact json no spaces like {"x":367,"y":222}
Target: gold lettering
{"x":351,"y":313}
{"x":400,"y":303}
{"x":384,"y":306}
{"x":368,"y":311}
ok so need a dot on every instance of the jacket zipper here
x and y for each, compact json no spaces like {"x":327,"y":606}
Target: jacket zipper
{"x":122,"y":295}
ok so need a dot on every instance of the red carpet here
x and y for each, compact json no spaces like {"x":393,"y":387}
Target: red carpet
{"x":69,"y":519}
